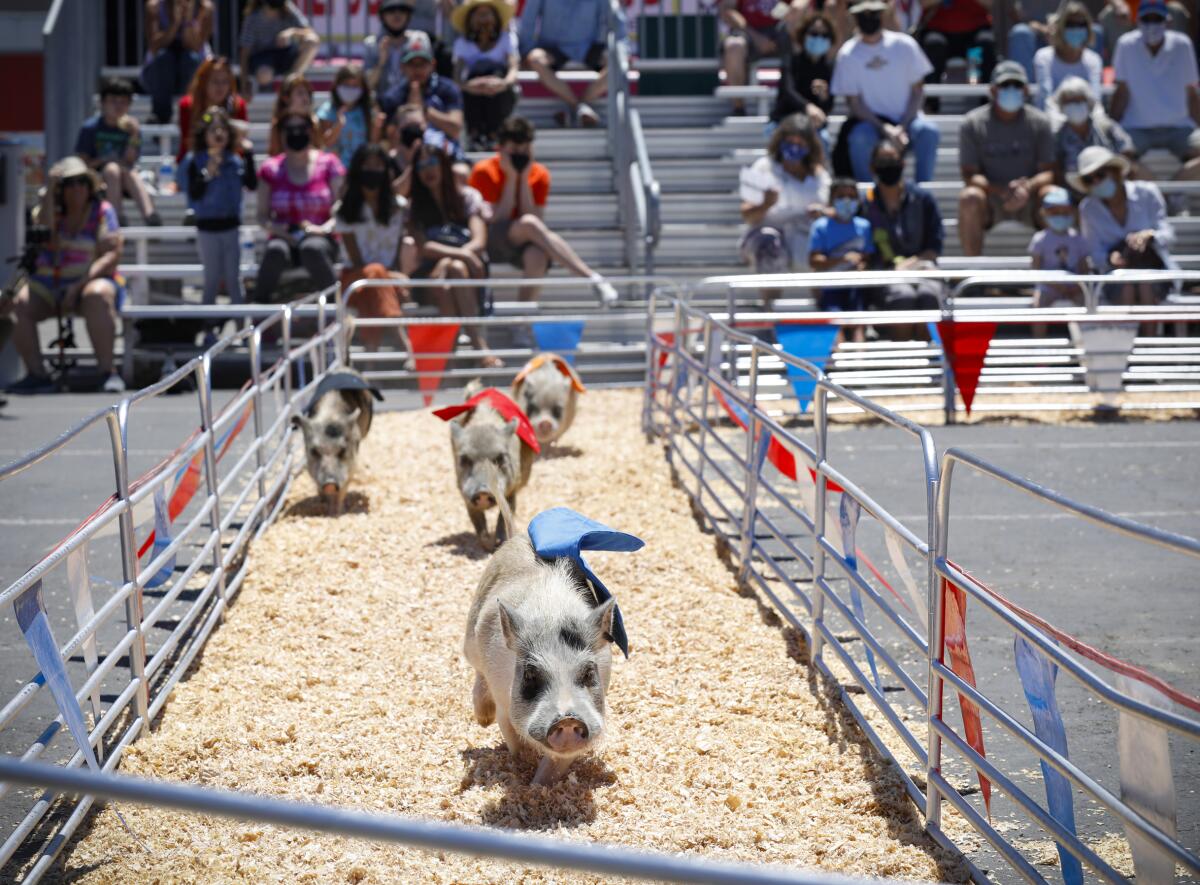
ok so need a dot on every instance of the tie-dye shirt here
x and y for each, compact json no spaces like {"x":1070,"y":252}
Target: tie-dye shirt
{"x":293,"y":204}
{"x":76,"y":251}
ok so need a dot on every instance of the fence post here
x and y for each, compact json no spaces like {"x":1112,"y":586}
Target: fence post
{"x":256,"y":382}
{"x":212,"y":481}
{"x":651,"y":394}
{"x":820,"y":419}
{"x":948,"y":403}
{"x":933,"y":762}
{"x":287,"y":354}
{"x":753,"y":467}
{"x":705,"y":429}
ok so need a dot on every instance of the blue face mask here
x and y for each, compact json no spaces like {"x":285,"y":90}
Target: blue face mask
{"x":845,"y":207}
{"x":1010,"y":99}
{"x":1059,"y":223}
{"x":817,"y":45}
{"x":792,"y":153}
{"x":1104,"y":189}
{"x":1076,"y":38}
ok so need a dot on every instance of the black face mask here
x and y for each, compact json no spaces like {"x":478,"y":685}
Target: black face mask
{"x":889,"y":174}
{"x":410,"y":134}
{"x":869,"y":22}
{"x":297,"y":139}
{"x":372,"y":179}
{"x":519,"y":161}
{"x":390,"y":32}
{"x":276,"y":4}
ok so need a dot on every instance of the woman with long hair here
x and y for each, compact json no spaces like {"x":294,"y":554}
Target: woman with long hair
{"x":177,"y":35}
{"x":296,"y":96}
{"x":805,"y":72}
{"x":1067,"y":55}
{"x":346,"y":120}
{"x":485,"y":65}
{"x":215,"y":85}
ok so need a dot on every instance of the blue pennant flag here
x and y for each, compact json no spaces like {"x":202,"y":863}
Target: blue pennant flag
{"x":849,"y":510}
{"x":1038,"y":674}
{"x":807,"y":341}
{"x":162,"y":540}
{"x":560,"y":338}
{"x":563,"y":532}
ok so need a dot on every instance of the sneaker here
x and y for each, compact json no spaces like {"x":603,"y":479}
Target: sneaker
{"x":587,"y":117}
{"x":607,"y":292}
{"x":33,"y":384}
{"x":154,"y":220}
{"x":114,"y":383}
{"x":564,"y":119}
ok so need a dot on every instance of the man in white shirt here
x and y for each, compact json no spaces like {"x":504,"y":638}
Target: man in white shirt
{"x":882,"y":75}
{"x":1157,"y":99}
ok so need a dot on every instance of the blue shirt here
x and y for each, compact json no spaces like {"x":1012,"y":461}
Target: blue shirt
{"x":99,"y":141}
{"x":833,"y":237}
{"x":353,"y":134}
{"x":440,"y":93}
{"x":570,"y":26}
{"x":219,"y":198}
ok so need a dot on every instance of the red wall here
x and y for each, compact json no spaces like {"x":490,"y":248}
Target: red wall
{"x":21,"y":109}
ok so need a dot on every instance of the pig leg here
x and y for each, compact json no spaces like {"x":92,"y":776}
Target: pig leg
{"x":515,"y":745}
{"x":549,"y":770}
{"x":485,"y":707}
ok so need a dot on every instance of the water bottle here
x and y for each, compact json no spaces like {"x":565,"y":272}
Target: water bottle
{"x":166,"y":175}
{"x":246,"y":240}
{"x":974,"y":64}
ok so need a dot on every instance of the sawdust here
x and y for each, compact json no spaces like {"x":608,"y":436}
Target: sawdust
{"x":338,"y":678}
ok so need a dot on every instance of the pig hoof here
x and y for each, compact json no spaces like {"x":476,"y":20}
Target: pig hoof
{"x":487,"y":541}
{"x":485,"y":707}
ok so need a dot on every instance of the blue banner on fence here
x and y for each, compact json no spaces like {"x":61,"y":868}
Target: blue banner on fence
{"x":162,"y":540}
{"x":560,"y":338}
{"x":1037,"y":674}
{"x":806,"y":341}
{"x":849,"y":510}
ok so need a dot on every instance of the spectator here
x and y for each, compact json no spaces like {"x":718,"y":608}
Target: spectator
{"x":76,"y":274}
{"x":782,"y":193}
{"x":1115,"y":22}
{"x":177,"y":35}
{"x":906,"y":225}
{"x":881,"y":74}
{"x":295,"y":199}
{"x":1124,"y":222}
{"x":407,"y":133}
{"x":560,"y":31}
{"x":110,"y":142}
{"x":346,"y":120}
{"x":841,"y":243}
{"x":213,"y":86}
{"x":396,"y":17}
{"x":951,"y":29}
{"x":422,"y":85}
{"x":213,"y":176}
{"x":296,"y":96}
{"x":276,"y":40}
{"x":1157,"y":98}
{"x":370,"y":221}
{"x":486,"y":60}
{"x":449,"y":224}
{"x":1006,"y":150}
{"x":517,"y":187}
{"x":1030,"y":31}
{"x":1067,"y":55}
{"x":1085,"y":125}
{"x":1059,"y":247}
{"x":805,"y":72}
{"x":754,"y":34}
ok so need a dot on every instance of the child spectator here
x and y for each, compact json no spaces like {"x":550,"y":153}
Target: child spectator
{"x":213,"y":176}
{"x":110,"y":142}
{"x":842,"y":242}
{"x":213,"y":85}
{"x":276,"y":39}
{"x":485,"y":65}
{"x":556,"y":32}
{"x":346,"y":121}
{"x":177,"y":35}
{"x":1059,"y":247}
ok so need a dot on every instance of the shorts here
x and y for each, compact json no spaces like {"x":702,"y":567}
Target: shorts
{"x":1182,"y":141}
{"x":52,"y":299}
{"x":996,"y":212}
{"x":842,"y":299}
{"x":500,"y":249}
{"x":925,"y":295}
{"x":594,"y":59}
{"x":752,"y":52}
{"x":278,"y":59}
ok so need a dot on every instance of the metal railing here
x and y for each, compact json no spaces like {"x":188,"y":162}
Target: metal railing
{"x":71,"y":58}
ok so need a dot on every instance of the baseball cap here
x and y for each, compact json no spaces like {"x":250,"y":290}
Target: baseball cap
{"x":416,"y":45}
{"x":1007,"y":71}
{"x":1152,"y":7}
{"x":388,"y":5}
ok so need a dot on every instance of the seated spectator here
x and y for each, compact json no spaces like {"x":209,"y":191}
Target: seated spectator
{"x":110,"y":142}
{"x":177,"y":35}
{"x":1030,"y":31}
{"x":213,"y":176}
{"x":76,"y":274}
{"x":782,"y":194}
{"x":1157,"y":98}
{"x":517,"y":187}
{"x":882,"y":75}
{"x":296,"y":192}
{"x":805,"y":72}
{"x":555,"y":32}
{"x":1067,"y":55}
{"x":422,"y":85}
{"x":296,"y":96}
{"x":407,"y":133}
{"x":842,"y":242}
{"x":754,"y":34}
{"x":1059,"y":247}
{"x":448,"y":222}
{"x":486,"y":60}
{"x":1124,"y":222}
{"x":370,"y":220}
{"x":382,"y":52}
{"x":906,"y":225}
{"x":346,"y":120}
{"x":952,"y":28}
{"x":1085,"y":124}
{"x":213,"y":86}
{"x":1006,"y":150}
{"x":1115,"y":21}
{"x":276,"y":40}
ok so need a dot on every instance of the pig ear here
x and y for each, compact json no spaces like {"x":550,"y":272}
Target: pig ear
{"x":602,"y":619}
{"x":353,"y":416}
{"x":512,"y":426}
{"x":300,"y":422}
{"x":509,"y":625}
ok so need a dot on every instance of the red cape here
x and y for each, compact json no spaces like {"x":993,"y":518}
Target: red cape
{"x":502,"y":404}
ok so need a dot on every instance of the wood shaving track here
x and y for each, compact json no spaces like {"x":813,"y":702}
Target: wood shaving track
{"x":337,"y":678}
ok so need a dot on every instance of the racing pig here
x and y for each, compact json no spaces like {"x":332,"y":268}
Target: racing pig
{"x":334,"y":423}
{"x":546,"y":388}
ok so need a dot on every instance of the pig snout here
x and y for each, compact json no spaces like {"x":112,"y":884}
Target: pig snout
{"x":331,"y":494}
{"x":568,"y":735}
{"x":544,"y":430}
{"x":483,"y":500}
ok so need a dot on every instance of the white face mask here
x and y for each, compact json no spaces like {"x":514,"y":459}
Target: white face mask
{"x":1075,"y":111}
{"x":349,"y":95}
{"x":1154,"y":33}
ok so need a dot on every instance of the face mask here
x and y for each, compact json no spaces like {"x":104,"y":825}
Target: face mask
{"x":349,"y":95}
{"x":1075,"y":111}
{"x":410,"y":134}
{"x":1010,"y":99}
{"x":792,"y":153}
{"x":889,"y":175}
{"x":1153,"y":33}
{"x":868,"y":22}
{"x":1059,"y":223}
{"x":276,"y":4}
{"x":845,"y":207}
{"x":1076,"y":38}
{"x":1105,"y":189}
{"x":297,"y":139}
{"x":519,"y":161}
{"x":817,"y":45}
{"x":372,"y":179}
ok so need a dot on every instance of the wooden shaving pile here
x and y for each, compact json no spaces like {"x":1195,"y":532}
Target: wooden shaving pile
{"x":337,"y":678}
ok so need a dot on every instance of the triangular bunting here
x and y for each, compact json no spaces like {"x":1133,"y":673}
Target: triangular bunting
{"x":807,"y":341}
{"x":965,"y":346}
{"x":954,"y":647}
{"x":438,"y":340}
{"x":162,"y":540}
{"x":1106,"y":350}
{"x":561,"y":338}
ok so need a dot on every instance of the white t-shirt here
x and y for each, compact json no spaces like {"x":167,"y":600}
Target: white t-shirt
{"x":377,"y":243}
{"x":1049,"y":71}
{"x":469,"y":53}
{"x":882,"y":73}
{"x":1157,"y":83}
{"x":790,"y":212}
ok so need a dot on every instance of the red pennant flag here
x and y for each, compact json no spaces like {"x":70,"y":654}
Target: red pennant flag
{"x":965,"y":345}
{"x":502,"y":404}
{"x":668,"y":339}
{"x":954,"y":643}
{"x":428,"y":338}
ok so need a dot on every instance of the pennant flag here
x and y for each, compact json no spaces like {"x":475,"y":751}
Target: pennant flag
{"x":806,"y":341}
{"x":162,"y":540}
{"x":562,"y":338}
{"x":965,"y":345}
{"x":849,"y":511}
{"x":431,"y":345}
{"x":1147,"y":784}
{"x":739,"y":415}
{"x":920,"y":608}
{"x":1106,"y":350}
{"x":954,"y":643}
{"x":668,"y":341}
{"x":1038,"y":674}
{"x":81,"y":593}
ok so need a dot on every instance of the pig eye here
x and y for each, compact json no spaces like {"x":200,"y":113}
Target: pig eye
{"x":587,"y":675}
{"x":464,"y":462}
{"x":342,"y":452}
{"x":501,"y":459}
{"x":556,"y":412}
{"x":533,"y":682}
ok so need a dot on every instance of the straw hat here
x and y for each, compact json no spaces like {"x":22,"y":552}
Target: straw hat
{"x":1091,"y":160}
{"x":73,"y":167}
{"x":462,"y":14}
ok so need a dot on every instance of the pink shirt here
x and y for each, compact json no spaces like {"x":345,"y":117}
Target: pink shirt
{"x":294,"y":204}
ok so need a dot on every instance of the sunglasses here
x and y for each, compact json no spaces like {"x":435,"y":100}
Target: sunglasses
{"x":1093,"y":178}
{"x":1151,"y":19}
